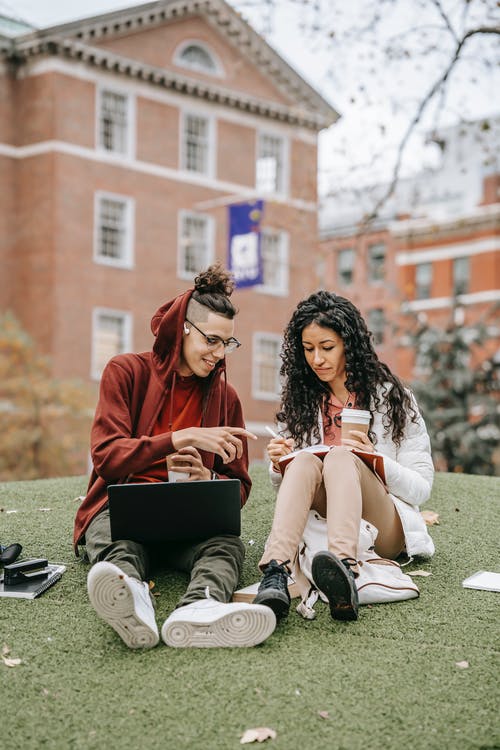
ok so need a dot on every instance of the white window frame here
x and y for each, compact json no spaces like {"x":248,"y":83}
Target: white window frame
{"x":257,"y":392}
{"x":340,"y":280}
{"x":371,"y":266}
{"x":457,"y":278}
{"x":379,"y":333}
{"x":126,"y":317}
{"x":127,"y":260}
{"x":211,"y":142}
{"x":182,"y":273}
{"x":131,"y":118}
{"x":178,"y":60}
{"x":427,"y":265}
{"x":282,"y":189}
{"x":282,"y":288}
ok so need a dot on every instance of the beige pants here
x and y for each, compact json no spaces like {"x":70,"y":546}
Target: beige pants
{"x":343,"y":490}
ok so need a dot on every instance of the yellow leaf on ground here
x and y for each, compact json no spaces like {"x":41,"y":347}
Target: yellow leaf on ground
{"x":259,"y":734}
{"x":423,"y":573}
{"x":11,"y":662}
{"x":430,"y":517}
{"x":462,"y":664}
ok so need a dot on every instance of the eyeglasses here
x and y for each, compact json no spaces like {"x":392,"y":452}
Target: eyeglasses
{"x":213,"y":342}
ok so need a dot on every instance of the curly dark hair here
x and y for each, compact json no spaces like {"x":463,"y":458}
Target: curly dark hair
{"x":304,"y":393}
{"x":213,"y":287}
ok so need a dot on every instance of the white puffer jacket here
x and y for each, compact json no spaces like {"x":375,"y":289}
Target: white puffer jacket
{"x":409,"y":474}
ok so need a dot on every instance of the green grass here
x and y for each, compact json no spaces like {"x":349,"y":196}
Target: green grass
{"x":388,"y":681}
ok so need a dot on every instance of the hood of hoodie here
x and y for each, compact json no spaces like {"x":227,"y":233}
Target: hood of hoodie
{"x":167,"y":326}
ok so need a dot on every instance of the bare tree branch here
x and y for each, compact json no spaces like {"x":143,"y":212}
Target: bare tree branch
{"x":446,"y":20}
{"x":420,"y":110}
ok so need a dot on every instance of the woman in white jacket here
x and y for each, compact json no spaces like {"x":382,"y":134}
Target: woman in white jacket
{"x":329,"y":363}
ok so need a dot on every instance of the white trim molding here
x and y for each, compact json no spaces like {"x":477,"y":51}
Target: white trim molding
{"x":446,"y":252}
{"x":166,"y":173}
{"x":436,"y":303}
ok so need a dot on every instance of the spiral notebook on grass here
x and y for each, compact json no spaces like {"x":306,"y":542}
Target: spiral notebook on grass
{"x":30,"y":589}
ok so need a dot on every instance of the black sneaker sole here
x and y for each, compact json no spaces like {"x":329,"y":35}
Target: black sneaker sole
{"x":276,"y":600}
{"x":332,"y":578}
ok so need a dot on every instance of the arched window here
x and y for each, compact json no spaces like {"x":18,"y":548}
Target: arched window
{"x":197,"y":56}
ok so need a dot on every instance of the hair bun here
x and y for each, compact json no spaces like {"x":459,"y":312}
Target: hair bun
{"x":215,"y":280}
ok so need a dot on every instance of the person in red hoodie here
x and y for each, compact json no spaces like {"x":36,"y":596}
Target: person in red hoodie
{"x":172,"y":401}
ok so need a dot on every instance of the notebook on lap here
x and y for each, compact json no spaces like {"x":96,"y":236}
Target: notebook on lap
{"x":173,"y":511}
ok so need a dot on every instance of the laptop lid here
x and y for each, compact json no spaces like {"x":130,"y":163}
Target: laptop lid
{"x":174,"y":511}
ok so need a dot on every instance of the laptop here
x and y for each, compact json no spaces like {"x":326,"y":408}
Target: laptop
{"x":174,"y":511}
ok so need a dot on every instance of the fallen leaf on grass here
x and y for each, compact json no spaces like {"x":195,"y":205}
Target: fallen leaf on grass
{"x":430,"y":517}
{"x":44,"y":509}
{"x":5,"y":658}
{"x":423,"y":573}
{"x":259,"y":734}
{"x":462,"y":664}
{"x":324,"y":714}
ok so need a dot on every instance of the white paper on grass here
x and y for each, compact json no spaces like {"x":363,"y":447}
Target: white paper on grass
{"x":484,"y":580}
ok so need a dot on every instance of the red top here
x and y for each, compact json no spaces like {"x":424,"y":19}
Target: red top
{"x":187,"y":409}
{"x":332,"y":435}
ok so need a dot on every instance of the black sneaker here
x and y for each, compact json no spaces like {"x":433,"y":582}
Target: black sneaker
{"x":273,"y":589}
{"x":336,"y":580}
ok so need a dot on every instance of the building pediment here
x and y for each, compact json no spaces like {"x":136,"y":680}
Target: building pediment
{"x":96,"y":41}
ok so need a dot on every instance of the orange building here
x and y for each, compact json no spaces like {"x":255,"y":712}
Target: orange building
{"x":434,"y":252}
{"x":123,"y":140}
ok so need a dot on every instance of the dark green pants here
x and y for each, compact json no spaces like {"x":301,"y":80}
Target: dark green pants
{"x":215,"y":562}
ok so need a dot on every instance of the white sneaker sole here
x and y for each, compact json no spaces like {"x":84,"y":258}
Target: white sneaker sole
{"x":245,"y":626}
{"x":113,"y":601}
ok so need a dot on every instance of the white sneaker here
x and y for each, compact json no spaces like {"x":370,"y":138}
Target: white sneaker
{"x":124,"y":603}
{"x":208,"y":623}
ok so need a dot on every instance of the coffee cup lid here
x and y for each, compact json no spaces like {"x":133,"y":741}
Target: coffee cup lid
{"x":356,"y":414}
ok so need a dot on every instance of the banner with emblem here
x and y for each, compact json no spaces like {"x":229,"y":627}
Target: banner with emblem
{"x":245,"y":243}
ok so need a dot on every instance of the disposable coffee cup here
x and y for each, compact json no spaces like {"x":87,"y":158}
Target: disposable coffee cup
{"x":354,"y":419}
{"x":175,"y":473}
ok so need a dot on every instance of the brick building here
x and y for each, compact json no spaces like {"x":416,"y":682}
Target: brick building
{"x":123,"y":140}
{"x":434,"y":252}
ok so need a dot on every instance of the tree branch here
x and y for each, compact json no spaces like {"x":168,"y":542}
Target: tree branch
{"x":420,"y":110}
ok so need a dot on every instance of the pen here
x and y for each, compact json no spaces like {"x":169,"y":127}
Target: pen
{"x":271,"y":432}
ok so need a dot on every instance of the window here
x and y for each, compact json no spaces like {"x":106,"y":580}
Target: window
{"x":197,"y":56}
{"x":270,"y":168}
{"x":114,"y":122}
{"x":376,"y":324}
{"x":376,"y":262}
{"x":266,"y":366}
{"x":461,"y":275}
{"x":113,"y":222}
{"x":196,"y":144}
{"x":196,"y":242}
{"x":275,"y":262}
{"x":345,"y":266}
{"x":423,"y":280}
{"x":111,"y":335}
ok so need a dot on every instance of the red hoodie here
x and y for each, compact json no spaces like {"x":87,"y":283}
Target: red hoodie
{"x":133,"y":391}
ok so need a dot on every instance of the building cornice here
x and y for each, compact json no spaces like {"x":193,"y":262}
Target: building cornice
{"x":481,"y":218}
{"x":71,"y":40}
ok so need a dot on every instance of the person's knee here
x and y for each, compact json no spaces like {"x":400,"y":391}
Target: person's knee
{"x":304,"y":464}
{"x":340,"y":457}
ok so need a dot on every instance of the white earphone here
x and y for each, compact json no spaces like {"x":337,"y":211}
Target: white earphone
{"x":186,"y":329}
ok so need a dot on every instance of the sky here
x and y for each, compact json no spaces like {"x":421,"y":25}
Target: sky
{"x":376,"y":97}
